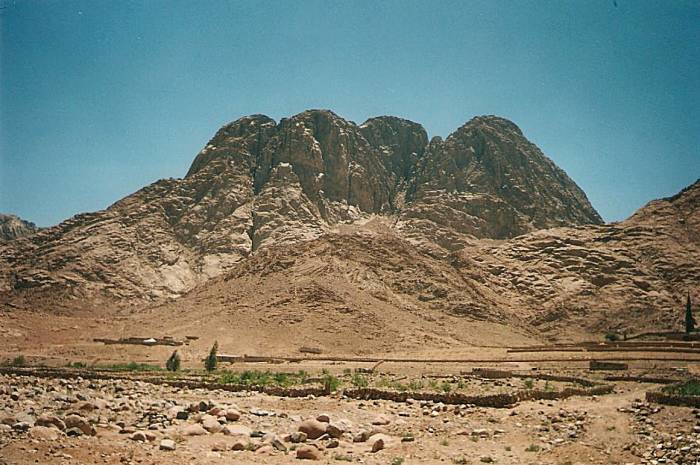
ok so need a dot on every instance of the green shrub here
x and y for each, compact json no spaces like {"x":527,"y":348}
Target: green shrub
{"x":612,"y":337}
{"x":415,"y":385}
{"x":445,"y":387}
{"x":330,"y":383}
{"x":173,"y":362}
{"x":211,"y":361}
{"x":359,"y":381}
{"x":687,"y":388}
{"x":532,"y":448}
{"x":132,"y":366}
{"x":529,"y":383}
{"x":18,"y":361}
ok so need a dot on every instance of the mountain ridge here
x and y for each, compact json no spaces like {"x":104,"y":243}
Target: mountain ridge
{"x":258,"y":184}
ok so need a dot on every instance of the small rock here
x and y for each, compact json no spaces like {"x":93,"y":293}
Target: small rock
{"x":381,"y":420}
{"x":167,"y":444}
{"x":377,"y":444}
{"x":332,"y":444}
{"x":194,"y":430}
{"x":76,"y":421}
{"x":211,"y":424}
{"x":44,"y":433}
{"x":297,"y":437}
{"x":50,"y":420}
{"x":308,"y":453}
{"x":232,"y":415}
{"x":239,"y":444}
{"x":314,"y":429}
{"x":237,"y":430}
{"x":138,"y":436}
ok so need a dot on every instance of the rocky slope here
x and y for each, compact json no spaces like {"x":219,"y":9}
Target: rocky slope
{"x":487,"y":180}
{"x":364,"y":288}
{"x":12,"y":227}
{"x":258,"y":184}
{"x":368,"y":234}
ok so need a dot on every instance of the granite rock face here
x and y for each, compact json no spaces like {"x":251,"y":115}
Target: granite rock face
{"x":258,"y":184}
{"x":487,"y":180}
{"x":12,"y":227}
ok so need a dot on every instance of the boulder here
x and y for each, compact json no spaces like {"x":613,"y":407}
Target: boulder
{"x":314,"y":429}
{"x":308,"y":453}
{"x":76,"y":421}
{"x":44,"y":433}
{"x":167,"y":444}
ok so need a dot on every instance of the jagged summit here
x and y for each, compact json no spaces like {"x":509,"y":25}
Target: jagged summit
{"x":12,"y":227}
{"x":259,"y":183}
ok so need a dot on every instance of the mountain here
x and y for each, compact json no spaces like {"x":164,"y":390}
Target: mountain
{"x":364,"y":288}
{"x":12,"y":227}
{"x":366,"y":238}
{"x":258,"y":183}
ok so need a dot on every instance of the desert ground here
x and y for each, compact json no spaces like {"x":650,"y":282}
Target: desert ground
{"x":101,"y":410}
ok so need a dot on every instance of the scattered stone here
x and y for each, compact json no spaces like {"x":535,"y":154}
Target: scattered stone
{"x":44,"y":433}
{"x":194,"y":430}
{"x":76,"y":421}
{"x":297,"y":437}
{"x":167,"y":444}
{"x":308,"y":453}
{"x":380,"y":420}
{"x":211,"y":424}
{"x":314,"y":429}
{"x":237,"y":430}
{"x":51,"y":421}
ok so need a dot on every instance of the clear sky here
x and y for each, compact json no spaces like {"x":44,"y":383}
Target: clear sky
{"x":99,"y":98}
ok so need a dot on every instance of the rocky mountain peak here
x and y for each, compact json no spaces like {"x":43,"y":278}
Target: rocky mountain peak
{"x":493,"y":123}
{"x":400,"y":142}
{"x":13,"y":227}
{"x":258,"y":183}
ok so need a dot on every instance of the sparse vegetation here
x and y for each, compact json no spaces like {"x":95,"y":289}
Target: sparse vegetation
{"x":532,"y":448}
{"x":173,"y":362}
{"x":612,"y":337}
{"x":132,"y":366}
{"x":444,"y":442}
{"x":359,"y":381}
{"x":210,"y":362}
{"x":330,"y":383}
{"x":18,"y":361}
{"x":689,"y":320}
{"x":78,"y":365}
{"x":445,"y":387}
{"x":687,"y":388}
{"x":529,"y":383}
{"x":397,"y":461}
{"x":415,"y":385}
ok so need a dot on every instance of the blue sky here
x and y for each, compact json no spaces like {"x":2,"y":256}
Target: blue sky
{"x":99,"y":98}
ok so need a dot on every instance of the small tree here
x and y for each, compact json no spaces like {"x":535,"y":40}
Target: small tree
{"x":173,"y":363}
{"x":210,"y":361}
{"x":689,"y":320}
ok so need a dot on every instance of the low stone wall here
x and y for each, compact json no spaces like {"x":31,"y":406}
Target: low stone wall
{"x":606,"y":366}
{"x":642,"y":379}
{"x":489,"y":400}
{"x":501,"y":374}
{"x":671,"y":399}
